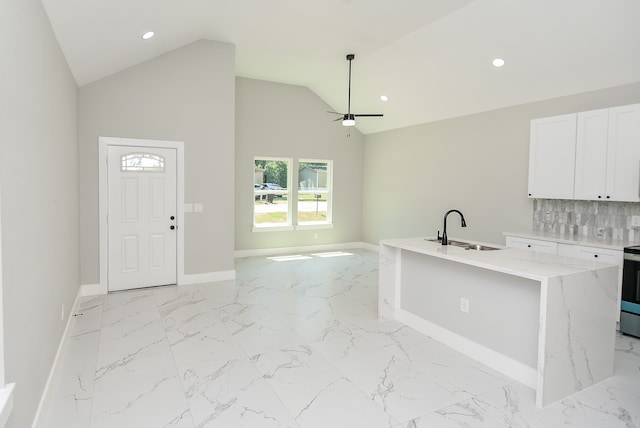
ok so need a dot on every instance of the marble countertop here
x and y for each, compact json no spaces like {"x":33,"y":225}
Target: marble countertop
{"x":612,"y":244}
{"x":522,"y":263}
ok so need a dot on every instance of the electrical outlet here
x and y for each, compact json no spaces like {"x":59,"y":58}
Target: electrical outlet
{"x":464,"y":305}
{"x":635,"y":221}
{"x":600,"y":231}
{"x":62,"y":313}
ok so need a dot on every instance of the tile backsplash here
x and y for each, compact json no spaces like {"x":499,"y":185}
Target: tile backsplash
{"x":587,"y":218}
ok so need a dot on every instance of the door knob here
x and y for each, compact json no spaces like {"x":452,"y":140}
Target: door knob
{"x":172,"y":227}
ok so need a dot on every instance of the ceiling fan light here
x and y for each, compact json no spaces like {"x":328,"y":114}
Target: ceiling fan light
{"x":348,"y":122}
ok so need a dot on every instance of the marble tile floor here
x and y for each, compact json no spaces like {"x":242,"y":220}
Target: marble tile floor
{"x":295,"y":343}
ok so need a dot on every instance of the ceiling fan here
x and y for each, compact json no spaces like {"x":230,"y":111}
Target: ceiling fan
{"x":348,"y":118}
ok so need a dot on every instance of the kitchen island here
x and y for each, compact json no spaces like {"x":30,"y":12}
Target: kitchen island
{"x":545,"y":320}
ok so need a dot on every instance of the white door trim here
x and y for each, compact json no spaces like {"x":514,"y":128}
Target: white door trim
{"x":103,"y":143}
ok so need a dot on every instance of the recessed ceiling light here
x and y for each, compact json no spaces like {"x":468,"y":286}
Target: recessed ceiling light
{"x":148,"y":35}
{"x":498,"y":62}
{"x":384,"y":98}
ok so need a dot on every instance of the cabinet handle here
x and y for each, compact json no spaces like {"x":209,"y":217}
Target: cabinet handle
{"x":595,"y":255}
{"x":529,"y":245}
{"x":529,"y":194}
{"x":599,"y":197}
{"x":608,"y":197}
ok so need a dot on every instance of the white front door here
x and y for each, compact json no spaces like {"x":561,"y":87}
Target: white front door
{"x":141,"y":217}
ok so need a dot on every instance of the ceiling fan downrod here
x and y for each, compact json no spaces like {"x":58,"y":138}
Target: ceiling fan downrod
{"x":350,"y":58}
{"x":348,"y":118}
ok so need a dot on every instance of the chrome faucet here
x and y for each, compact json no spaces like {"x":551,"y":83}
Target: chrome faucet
{"x":445,"y":241}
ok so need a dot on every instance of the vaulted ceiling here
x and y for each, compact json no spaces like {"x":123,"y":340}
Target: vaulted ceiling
{"x":431,"y":58}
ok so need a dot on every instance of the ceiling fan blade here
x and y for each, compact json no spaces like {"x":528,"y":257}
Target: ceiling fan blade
{"x":335,"y":112}
{"x":340,"y":118}
{"x":369,"y":115}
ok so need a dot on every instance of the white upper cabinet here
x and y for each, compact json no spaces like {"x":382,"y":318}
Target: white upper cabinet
{"x":623,"y":154}
{"x":591,"y":155}
{"x":552,"y":152}
{"x":601,"y":162}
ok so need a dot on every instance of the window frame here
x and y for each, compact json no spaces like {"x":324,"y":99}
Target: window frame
{"x":266,"y":227}
{"x":329,"y":192}
{"x":293,"y":170}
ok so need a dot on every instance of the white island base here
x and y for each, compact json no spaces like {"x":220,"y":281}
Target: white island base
{"x":544,"y":320}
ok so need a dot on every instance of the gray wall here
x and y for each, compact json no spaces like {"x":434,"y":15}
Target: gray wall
{"x":477,"y":164}
{"x":39,"y":185}
{"x":278,"y":120}
{"x":184,"y":95}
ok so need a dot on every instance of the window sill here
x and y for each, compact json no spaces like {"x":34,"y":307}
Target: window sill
{"x":286,"y":228}
{"x":273,"y":228}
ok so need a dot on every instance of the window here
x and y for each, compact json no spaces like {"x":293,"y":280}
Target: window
{"x":272,"y":196}
{"x":142,"y":162}
{"x":314,"y":196}
{"x":278,"y":205}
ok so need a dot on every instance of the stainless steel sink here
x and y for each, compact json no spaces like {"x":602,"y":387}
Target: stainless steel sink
{"x":479,"y":247}
{"x":467,"y":245}
{"x":451,"y":242}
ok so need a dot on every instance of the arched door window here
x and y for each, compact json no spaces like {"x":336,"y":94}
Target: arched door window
{"x":142,"y":162}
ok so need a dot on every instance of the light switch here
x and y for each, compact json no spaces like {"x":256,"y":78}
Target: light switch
{"x":198,"y":208}
{"x":188,"y":208}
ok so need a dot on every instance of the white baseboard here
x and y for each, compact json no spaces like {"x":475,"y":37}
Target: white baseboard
{"x":6,"y":403}
{"x":45,"y":399}
{"x":497,"y":361}
{"x":199,"y":278}
{"x":92,"y":290}
{"x":304,"y":249}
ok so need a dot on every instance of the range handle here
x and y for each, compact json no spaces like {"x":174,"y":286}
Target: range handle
{"x":632,"y":257}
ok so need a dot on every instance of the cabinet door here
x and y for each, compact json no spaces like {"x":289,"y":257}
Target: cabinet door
{"x":552,"y":151}
{"x":623,"y":157}
{"x":591,"y":155}
{"x":533,"y":245}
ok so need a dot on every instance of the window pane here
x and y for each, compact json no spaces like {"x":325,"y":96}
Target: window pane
{"x":271,"y":196}
{"x":314,"y":192}
{"x":142,"y":162}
